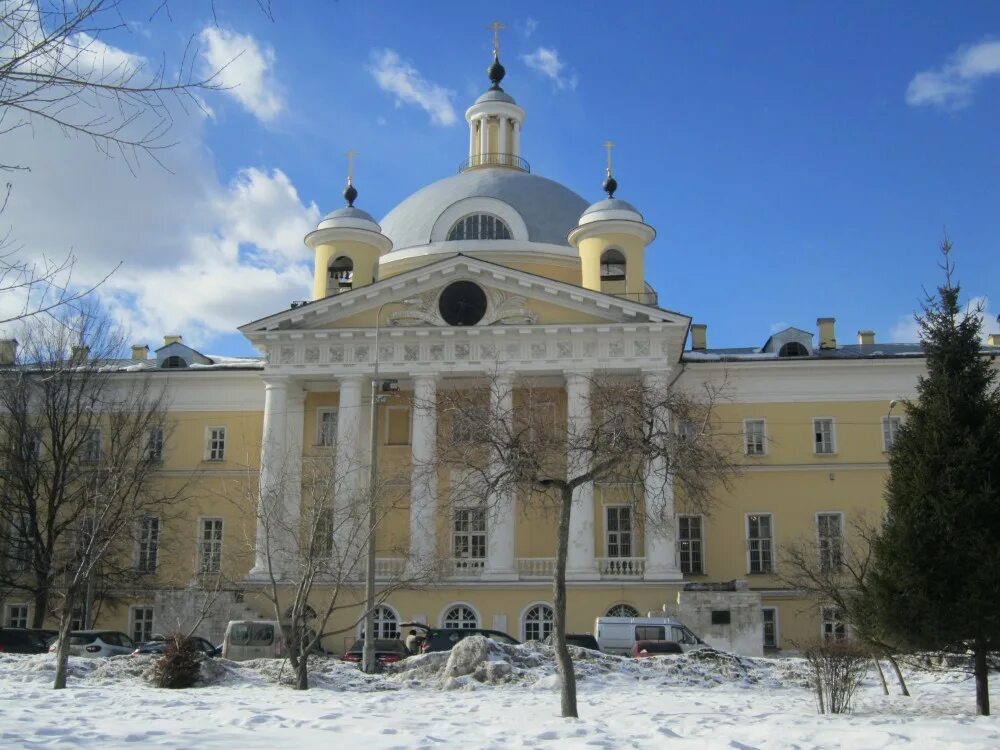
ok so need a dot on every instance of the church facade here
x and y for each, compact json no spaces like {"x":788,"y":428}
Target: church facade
{"x":498,"y":272}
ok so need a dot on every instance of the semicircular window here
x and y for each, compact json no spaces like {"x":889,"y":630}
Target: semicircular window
{"x":462,"y":303}
{"x":793,"y":349}
{"x":479,"y":227}
{"x":173,"y":363}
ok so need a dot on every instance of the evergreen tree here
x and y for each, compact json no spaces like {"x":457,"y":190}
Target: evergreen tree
{"x":935,"y":579}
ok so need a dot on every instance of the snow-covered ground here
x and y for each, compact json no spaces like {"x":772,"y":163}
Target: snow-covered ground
{"x":483,"y":696}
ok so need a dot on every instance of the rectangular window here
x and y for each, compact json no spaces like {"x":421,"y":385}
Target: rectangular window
{"x":770,"y":617}
{"x":322,"y":542}
{"x":823,"y":436}
{"x":76,"y":619}
{"x":830,"y":534}
{"x":153,"y":450}
{"x":754,"y":437}
{"x":619,"y":530}
{"x":687,"y":432}
{"x":20,"y":550}
{"x":210,"y":546}
{"x":760,"y":543}
{"x":16,"y":616}
{"x":890,"y":428}
{"x":149,"y":544}
{"x":397,"y":425}
{"x":465,"y":425}
{"x":469,"y":538}
{"x":691,"y":545}
{"x":326,"y":423}
{"x":32,"y":446}
{"x":542,"y":421}
{"x":91,"y":448}
{"x":832,"y":623}
{"x":141,"y":624}
{"x":650,"y":632}
{"x":215,"y":444}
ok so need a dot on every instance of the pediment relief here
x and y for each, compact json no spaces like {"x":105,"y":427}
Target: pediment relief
{"x":502,"y":308}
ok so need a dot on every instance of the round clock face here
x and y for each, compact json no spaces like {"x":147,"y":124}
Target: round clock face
{"x":462,"y":303}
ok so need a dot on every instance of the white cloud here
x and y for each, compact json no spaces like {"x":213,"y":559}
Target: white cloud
{"x":907,"y":331}
{"x":530,"y":26}
{"x":408,"y":86}
{"x":545,"y":60}
{"x":245,"y":70}
{"x":952,"y":85}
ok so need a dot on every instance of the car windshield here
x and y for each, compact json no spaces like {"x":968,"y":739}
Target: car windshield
{"x":81,"y":640}
{"x":658,"y":648}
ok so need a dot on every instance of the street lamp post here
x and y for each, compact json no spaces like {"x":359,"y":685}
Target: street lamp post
{"x":368,"y":651}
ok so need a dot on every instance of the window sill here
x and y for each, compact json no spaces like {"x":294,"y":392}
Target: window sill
{"x":820,"y":455}
{"x":213,"y":460}
{"x":760,"y":573}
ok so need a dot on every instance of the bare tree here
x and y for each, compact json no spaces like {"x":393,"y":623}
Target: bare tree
{"x":81,"y":443}
{"x":643,"y":436}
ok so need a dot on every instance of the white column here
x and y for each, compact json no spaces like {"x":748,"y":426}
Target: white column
{"x":270,"y":489}
{"x":515,"y":138}
{"x":292,"y":500}
{"x":580,"y":563}
{"x":351,"y":462}
{"x":500,"y":529}
{"x":423,"y":477}
{"x":472,"y":138}
{"x":661,"y":557}
{"x":484,"y":138}
{"x":502,"y":140}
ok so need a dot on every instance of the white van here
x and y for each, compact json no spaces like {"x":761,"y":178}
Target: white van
{"x":253,"y":639}
{"x":617,"y":635}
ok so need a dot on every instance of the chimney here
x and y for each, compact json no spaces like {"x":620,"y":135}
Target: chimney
{"x":992,"y":340}
{"x":699,"y":337}
{"x":79,"y":353}
{"x":140,"y":352}
{"x":866,"y":338}
{"x":827,"y":335}
{"x":172,"y":339}
{"x":8,"y":352}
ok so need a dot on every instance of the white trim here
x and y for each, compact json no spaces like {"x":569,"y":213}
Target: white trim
{"x":746,"y":444}
{"x":703,"y":540}
{"x":447,"y":607}
{"x":631,"y":528}
{"x":621,"y":604}
{"x":833,"y":436}
{"x":823,"y":621}
{"x":746,"y":542}
{"x":777,"y":627}
{"x":131,"y":621}
{"x":524,"y":613}
{"x":898,"y":419}
{"x":840,"y":515}
{"x":6,"y":613}
{"x":320,"y":411}
{"x":480,"y":205}
{"x":399,"y":619}
{"x":200,"y":530}
{"x":207,"y":453}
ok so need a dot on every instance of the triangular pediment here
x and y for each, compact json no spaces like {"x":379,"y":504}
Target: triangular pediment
{"x":513,"y":298}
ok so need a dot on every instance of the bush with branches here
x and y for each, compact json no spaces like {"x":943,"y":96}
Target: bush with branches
{"x":838,"y":666}
{"x":180,"y":665}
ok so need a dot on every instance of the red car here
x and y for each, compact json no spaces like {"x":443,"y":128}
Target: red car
{"x":387,"y":651}
{"x":655,"y":648}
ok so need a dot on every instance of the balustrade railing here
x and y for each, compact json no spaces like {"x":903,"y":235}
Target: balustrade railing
{"x":465,"y":567}
{"x":536,"y":567}
{"x":495,"y":160}
{"x":621,"y":567}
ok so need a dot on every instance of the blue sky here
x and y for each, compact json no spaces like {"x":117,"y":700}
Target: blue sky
{"x":798,"y":160}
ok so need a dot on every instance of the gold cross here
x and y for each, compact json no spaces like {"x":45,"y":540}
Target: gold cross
{"x":350,"y":163}
{"x":495,"y":27}
{"x":609,"y":145}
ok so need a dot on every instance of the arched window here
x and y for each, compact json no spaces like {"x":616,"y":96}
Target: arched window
{"x":342,"y":272}
{"x":622,"y":610}
{"x":793,"y":349}
{"x":386,"y":623}
{"x":174,"y":363}
{"x":612,"y":265}
{"x":537,"y":622}
{"x":479,"y":227}
{"x":461,"y":617}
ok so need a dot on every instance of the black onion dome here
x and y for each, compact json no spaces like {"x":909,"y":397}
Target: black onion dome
{"x":610,"y":186}
{"x":496,"y":72}
{"x":350,"y":194}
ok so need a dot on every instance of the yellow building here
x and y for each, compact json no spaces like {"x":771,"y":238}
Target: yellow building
{"x":496,"y":268}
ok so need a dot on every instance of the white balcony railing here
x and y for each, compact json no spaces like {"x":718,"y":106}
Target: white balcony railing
{"x":465,"y":567}
{"x":386,"y":568}
{"x":536,"y":567}
{"x":621,"y":567}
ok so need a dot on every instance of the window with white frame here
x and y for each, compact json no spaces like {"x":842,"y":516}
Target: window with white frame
{"x":76,"y":621}
{"x":461,"y":617}
{"x":141,"y":624}
{"x":215,"y":444}
{"x":210,"y":545}
{"x":397,"y":425}
{"x":823,"y":436}
{"x":149,"y":544}
{"x":754,"y":437}
{"x":386,"y":622}
{"x":20,"y":551}
{"x":16,"y":616}
{"x":469,"y":537}
{"x":691,"y":544}
{"x":91,"y":448}
{"x":322,"y":543}
{"x":326,"y":427}
{"x":760,"y":541}
{"x":833,"y":627}
{"x":542,"y":422}
{"x":830,"y":535}
{"x":618,"y":530}
{"x":890,"y":428}
{"x":537,"y":623}
{"x":622,"y":610}
{"x":154,"y":445}
{"x":466,"y":425}
{"x":479,"y":227}
{"x":769,"y":616}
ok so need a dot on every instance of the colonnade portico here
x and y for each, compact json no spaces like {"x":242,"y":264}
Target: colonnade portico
{"x":281,"y":470}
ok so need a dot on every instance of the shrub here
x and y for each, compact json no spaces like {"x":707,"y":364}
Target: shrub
{"x":180,"y":665}
{"x":837,"y":666}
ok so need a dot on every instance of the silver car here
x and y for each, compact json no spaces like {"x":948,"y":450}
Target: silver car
{"x":97,"y":643}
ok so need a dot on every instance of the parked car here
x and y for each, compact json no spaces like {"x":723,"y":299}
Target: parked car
{"x":444,"y":639}
{"x":253,"y":639}
{"x":617,"y":635}
{"x":656,"y":648}
{"x":387,"y":651}
{"x":26,"y":640}
{"x":157,"y":647}
{"x":98,"y":643}
{"x":583,"y":640}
